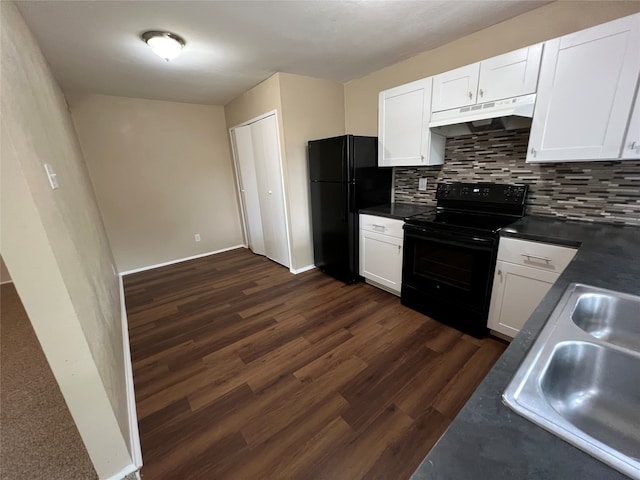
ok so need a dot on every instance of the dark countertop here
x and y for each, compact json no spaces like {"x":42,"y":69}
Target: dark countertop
{"x":399,"y":211}
{"x":487,"y":439}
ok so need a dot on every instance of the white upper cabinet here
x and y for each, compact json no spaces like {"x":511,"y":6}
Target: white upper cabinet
{"x":631,"y":147}
{"x":456,"y":88}
{"x":585,"y":93}
{"x":509,"y":75}
{"x":404,"y":138}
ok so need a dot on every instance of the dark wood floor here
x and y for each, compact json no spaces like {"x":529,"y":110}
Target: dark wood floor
{"x":243,"y":370}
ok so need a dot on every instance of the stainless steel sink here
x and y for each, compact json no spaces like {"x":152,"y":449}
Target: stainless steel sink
{"x":613,"y":319}
{"x":581,"y":378}
{"x":606,"y":407}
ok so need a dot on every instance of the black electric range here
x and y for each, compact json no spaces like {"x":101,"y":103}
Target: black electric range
{"x":450,"y":252}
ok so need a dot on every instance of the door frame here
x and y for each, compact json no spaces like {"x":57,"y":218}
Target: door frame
{"x":236,"y":168}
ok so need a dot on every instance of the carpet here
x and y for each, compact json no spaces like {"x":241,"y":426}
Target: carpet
{"x":38,"y":438}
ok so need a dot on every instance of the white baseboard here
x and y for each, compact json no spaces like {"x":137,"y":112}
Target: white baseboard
{"x":124,"y":472}
{"x":134,"y":434}
{"x":179,"y":260}
{"x":301,"y":270}
{"x":6,"y":281}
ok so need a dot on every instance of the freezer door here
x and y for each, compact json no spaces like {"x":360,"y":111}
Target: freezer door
{"x":327,"y":160}
{"x":363,"y":157}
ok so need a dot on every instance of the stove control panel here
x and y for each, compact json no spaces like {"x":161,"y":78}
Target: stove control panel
{"x":514,"y":193}
{"x":482,"y":192}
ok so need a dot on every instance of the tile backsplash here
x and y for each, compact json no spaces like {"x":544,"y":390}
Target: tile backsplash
{"x":592,"y":191}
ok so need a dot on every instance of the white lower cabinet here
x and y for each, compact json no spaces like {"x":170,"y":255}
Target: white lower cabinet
{"x":524,"y":274}
{"x":381,"y":241}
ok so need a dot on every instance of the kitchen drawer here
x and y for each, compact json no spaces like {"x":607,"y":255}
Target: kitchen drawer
{"x":544,"y":256}
{"x":383,"y":225}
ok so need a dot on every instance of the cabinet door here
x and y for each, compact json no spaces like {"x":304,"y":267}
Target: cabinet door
{"x":517,"y":291}
{"x":631,"y":147}
{"x":456,"y":88}
{"x":403,"y":125}
{"x":381,"y":259}
{"x":585,"y":93}
{"x":509,"y":75}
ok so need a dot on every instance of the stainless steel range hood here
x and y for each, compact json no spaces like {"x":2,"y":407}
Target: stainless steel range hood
{"x":504,"y":114}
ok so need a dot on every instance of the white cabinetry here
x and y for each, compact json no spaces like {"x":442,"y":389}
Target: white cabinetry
{"x":456,"y":88}
{"x":631,"y":147}
{"x":404,"y":138}
{"x":524,"y":274}
{"x":585,"y":93}
{"x":381,"y":241}
{"x":509,"y":75}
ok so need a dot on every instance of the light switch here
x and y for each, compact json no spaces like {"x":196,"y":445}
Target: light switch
{"x":422,"y":184}
{"x":53,"y":176}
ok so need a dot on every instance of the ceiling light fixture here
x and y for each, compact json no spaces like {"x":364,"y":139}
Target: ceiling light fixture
{"x":164,"y":44}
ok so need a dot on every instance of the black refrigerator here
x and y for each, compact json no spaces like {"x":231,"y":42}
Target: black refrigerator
{"x":344,"y":177}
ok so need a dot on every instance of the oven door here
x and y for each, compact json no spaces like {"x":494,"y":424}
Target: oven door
{"x":454,"y":268}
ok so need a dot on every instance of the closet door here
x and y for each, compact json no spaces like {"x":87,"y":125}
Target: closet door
{"x":249,"y":188}
{"x":266,"y":151}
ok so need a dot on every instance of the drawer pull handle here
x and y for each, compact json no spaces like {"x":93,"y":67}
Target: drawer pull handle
{"x":529,"y":257}
{"x":380,"y":228}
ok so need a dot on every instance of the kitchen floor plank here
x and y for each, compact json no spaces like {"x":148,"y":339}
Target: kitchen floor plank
{"x":402,"y":457}
{"x":243,"y":370}
{"x":434,"y":378}
{"x":451,"y":399}
{"x":265,"y":457}
{"x":355,"y":458}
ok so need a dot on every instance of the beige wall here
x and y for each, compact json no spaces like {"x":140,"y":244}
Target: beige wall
{"x":162,"y":172}
{"x":261,"y":99}
{"x":550,"y":21}
{"x":311,"y":109}
{"x":55,"y":246}
{"x":308,"y":108}
{"x":4,"y":273}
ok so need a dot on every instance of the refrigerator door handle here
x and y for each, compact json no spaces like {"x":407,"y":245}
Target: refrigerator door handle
{"x":351,"y":205}
{"x":344,"y":196}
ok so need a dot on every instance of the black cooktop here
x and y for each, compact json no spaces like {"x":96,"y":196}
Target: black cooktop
{"x":460,"y":220}
{"x":473,"y":207}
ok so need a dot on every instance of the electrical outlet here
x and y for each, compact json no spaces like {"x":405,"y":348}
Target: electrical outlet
{"x":197,"y":237}
{"x":422,"y":184}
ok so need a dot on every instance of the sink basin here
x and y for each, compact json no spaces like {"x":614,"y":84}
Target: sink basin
{"x":581,"y":379}
{"x":613,"y":319}
{"x":606,"y":407}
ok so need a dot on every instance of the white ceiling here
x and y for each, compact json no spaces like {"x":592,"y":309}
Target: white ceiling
{"x":94,"y":46}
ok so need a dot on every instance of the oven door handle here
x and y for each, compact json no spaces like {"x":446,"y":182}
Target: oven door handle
{"x":452,"y":238}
